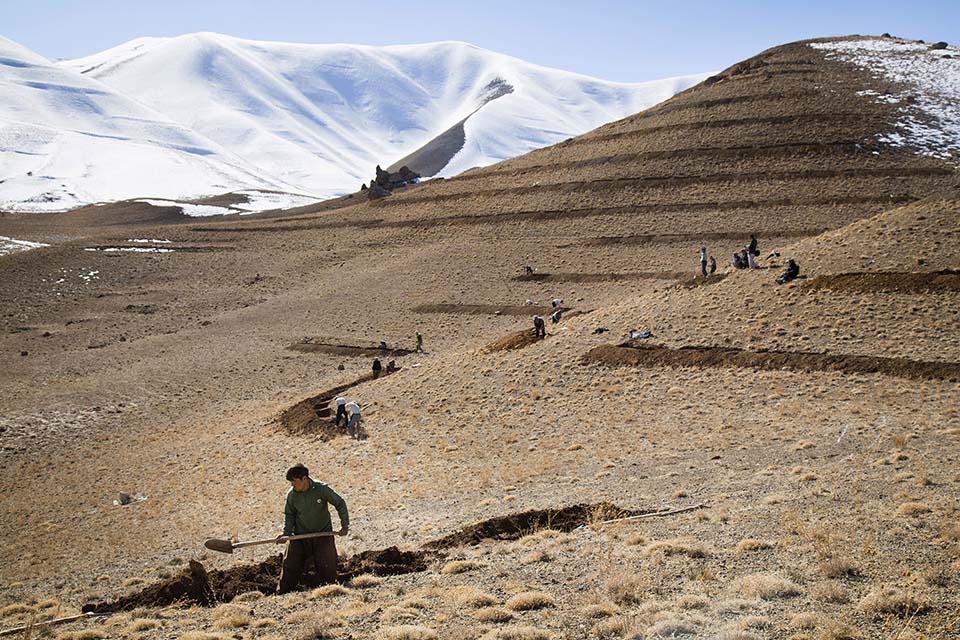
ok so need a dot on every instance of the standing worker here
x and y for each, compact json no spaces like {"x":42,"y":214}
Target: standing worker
{"x":419,"y":348}
{"x":377,"y":368}
{"x":353,"y":425}
{"x":703,"y":261}
{"x":341,"y":411}
{"x":539,"y":328}
{"x":752,"y":249}
{"x":306,"y":511}
{"x":713,"y":265}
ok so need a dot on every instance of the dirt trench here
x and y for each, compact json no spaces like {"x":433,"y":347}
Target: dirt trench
{"x":314,"y":416}
{"x":489,"y":309}
{"x":601,"y":277}
{"x":631,"y":353}
{"x":698,"y":238}
{"x":313,"y":345}
{"x":194,"y":585}
{"x":947,"y":280}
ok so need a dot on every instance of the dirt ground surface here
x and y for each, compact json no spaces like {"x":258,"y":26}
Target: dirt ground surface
{"x":818,"y":422}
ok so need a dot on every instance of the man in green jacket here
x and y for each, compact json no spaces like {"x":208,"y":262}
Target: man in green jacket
{"x":306,"y":511}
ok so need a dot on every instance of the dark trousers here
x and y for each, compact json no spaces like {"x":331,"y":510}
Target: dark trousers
{"x":703,"y":267}
{"x":318,"y":553}
{"x":341,"y":413}
{"x":540,"y":331}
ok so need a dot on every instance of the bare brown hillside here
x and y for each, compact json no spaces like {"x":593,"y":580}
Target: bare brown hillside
{"x":825,"y":464}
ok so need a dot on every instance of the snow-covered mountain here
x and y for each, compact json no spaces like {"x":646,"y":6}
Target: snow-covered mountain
{"x":206,"y":113}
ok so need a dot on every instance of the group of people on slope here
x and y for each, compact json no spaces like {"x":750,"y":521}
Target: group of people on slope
{"x":539,"y":326}
{"x":746,"y":258}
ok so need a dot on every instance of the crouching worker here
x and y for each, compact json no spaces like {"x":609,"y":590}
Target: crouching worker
{"x":306,"y":511}
{"x":791,"y":272}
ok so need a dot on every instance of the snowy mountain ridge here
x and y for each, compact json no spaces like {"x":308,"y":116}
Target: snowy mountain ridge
{"x":204,"y":113}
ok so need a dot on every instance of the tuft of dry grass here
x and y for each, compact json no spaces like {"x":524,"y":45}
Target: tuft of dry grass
{"x":517,"y":633}
{"x":13,"y":609}
{"x":537,"y":555}
{"x":912,"y":509}
{"x":750,"y":544}
{"x":671,"y":628}
{"x":618,"y":627}
{"x":142,"y":624}
{"x":248,"y":596}
{"x":545,"y":535}
{"x":805,"y":620}
{"x":839,"y":568}
{"x":690,"y":602}
{"x":365,"y":580}
{"x":892,"y":601}
{"x":460,"y":566}
{"x":329,"y":591}
{"x":838,"y":631}
{"x":636,"y":539}
{"x":626,"y":588}
{"x":529,"y":600}
{"x":407,"y":632}
{"x":400,"y":613}
{"x":676,"y":546}
{"x":320,"y":625}
{"x":470,"y":596}
{"x":203,"y":635}
{"x":86,"y":634}
{"x":766,"y":586}
{"x":493,"y":614}
{"x":599,"y":610}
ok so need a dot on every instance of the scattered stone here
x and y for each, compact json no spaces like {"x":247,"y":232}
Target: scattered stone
{"x":939,"y":45}
{"x":124,"y":498}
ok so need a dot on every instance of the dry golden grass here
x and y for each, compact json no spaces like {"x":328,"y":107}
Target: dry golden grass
{"x":407,"y":632}
{"x":12,"y":609}
{"x":754,"y":622}
{"x":545,"y":535}
{"x":398,"y":613}
{"x":751,"y":544}
{"x":263,"y":623}
{"x":470,"y":596}
{"x":675,"y":546}
{"x":365,"y":581}
{"x":203,"y":635}
{"x":691,"y":602}
{"x":460,"y":566}
{"x":912,"y":509}
{"x":829,"y":592}
{"x":892,"y":601}
{"x":671,"y":627}
{"x":86,"y":634}
{"x":132,"y":582}
{"x":636,"y":539}
{"x":805,"y":620}
{"x":231,"y":616}
{"x":766,"y":586}
{"x":738,"y":634}
{"x":329,"y":591}
{"x":839,"y":568}
{"x":319,"y":625}
{"x":618,"y":627}
{"x":838,"y":631}
{"x":624,"y":588}
{"x":248,"y":596}
{"x":517,"y":633}
{"x":537,"y":555}
{"x":493,"y":614}
{"x":529,"y":600}
{"x":143,"y":624}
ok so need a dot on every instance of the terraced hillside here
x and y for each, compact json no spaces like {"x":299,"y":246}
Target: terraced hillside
{"x":815,"y":422}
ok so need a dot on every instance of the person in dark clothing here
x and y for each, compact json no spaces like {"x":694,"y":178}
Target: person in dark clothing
{"x":703,"y":261}
{"x":555,"y":316}
{"x":377,"y":368}
{"x":539,"y":328}
{"x":791,"y":273}
{"x":341,"y":411}
{"x":306,"y":511}
{"x":713,"y":265}
{"x":752,"y":249}
{"x":419,"y":347}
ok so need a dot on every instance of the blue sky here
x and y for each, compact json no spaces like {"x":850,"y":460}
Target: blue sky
{"x":609,"y":39}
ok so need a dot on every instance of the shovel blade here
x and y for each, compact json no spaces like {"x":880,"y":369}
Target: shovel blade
{"x":223,"y":546}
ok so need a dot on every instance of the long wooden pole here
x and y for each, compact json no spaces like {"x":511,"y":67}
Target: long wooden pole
{"x":44,"y":623}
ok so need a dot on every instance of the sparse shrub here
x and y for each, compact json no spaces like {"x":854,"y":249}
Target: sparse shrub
{"x":470,"y":596}
{"x":248,"y":596}
{"x":690,"y":602}
{"x":838,"y":631}
{"x":912,"y":509}
{"x":143,"y":624}
{"x":626,"y":589}
{"x":617,"y":627}
{"x":329,"y":591}
{"x":766,"y":586}
{"x":493,"y":614}
{"x":364,"y":581}
{"x":671,"y":628}
{"x":460,"y":566}
{"x":674,"y":546}
{"x":829,"y":592}
{"x":734,"y":606}
{"x":408,"y":632}
{"x":400,"y":614}
{"x":529,"y":600}
{"x":517,"y":633}
{"x":754,"y":622}
{"x":839,"y":568}
{"x":753,"y":545}
{"x":892,"y":601}
{"x":13,"y":609}
{"x":804,"y":620}
{"x":320,"y":625}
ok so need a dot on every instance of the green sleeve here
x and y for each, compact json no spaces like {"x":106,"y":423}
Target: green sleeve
{"x":289,"y":516}
{"x":339,"y":503}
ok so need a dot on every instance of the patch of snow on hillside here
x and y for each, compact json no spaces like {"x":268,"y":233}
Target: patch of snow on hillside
{"x":192,"y":210}
{"x":930,"y":101}
{"x":12,"y":245}
{"x":268,"y":200}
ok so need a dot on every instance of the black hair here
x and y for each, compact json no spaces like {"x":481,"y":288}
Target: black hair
{"x":297,"y":471}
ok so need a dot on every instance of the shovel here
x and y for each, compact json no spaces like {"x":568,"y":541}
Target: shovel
{"x":226,"y":546}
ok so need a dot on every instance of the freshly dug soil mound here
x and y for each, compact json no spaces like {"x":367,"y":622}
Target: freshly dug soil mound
{"x":894,"y":282}
{"x":632,"y":353}
{"x":385,"y":562}
{"x":490,"y":309}
{"x":515,"y":340}
{"x":517,"y":525}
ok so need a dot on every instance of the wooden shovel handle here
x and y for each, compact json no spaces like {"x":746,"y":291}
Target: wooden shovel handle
{"x":301,"y":536}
